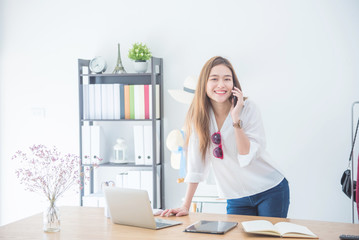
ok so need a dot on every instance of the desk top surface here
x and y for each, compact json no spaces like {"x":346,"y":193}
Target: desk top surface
{"x":90,"y":223}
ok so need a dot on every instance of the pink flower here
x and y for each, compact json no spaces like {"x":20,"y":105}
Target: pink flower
{"x":48,"y":172}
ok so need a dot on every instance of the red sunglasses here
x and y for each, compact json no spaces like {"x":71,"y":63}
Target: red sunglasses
{"x":216,"y":139}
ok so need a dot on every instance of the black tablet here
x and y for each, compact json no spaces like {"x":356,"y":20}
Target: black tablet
{"x":213,"y":227}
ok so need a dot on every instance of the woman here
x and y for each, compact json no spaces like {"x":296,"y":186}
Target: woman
{"x":231,"y":138}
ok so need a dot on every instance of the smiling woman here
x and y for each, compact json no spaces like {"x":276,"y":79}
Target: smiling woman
{"x":245,"y":174}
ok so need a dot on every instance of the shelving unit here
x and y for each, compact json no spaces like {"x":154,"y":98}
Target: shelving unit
{"x":155,"y":77}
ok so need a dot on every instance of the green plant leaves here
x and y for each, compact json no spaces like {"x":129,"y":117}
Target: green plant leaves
{"x":139,"y":52}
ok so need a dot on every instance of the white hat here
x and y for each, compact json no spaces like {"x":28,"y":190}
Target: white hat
{"x":175,"y":141}
{"x":186,"y":94}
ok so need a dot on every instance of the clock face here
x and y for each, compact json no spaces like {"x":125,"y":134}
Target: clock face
{"x":98,"y":65}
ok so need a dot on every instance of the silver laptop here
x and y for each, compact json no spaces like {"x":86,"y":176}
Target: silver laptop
{"x":132,"y":207}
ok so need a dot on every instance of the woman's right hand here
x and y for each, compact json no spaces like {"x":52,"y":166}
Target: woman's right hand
{"x":181,"y":211}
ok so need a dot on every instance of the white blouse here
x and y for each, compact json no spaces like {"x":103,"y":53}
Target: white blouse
{"x":236,"y":175}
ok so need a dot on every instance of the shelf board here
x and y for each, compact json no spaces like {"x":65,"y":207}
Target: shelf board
{"x":127,"y":165}
{"x":117,"y":120}
{"x":116,"y":74}
{"x":124,"y":78}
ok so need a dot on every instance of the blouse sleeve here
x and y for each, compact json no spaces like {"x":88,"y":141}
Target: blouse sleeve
{"x":196,"y":167}
{"x":253,"y":128}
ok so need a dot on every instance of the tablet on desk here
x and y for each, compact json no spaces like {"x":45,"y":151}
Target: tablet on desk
{"x":213,"y":227}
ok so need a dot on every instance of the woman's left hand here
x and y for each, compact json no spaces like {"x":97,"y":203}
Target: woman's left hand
{"x":236,"y":110}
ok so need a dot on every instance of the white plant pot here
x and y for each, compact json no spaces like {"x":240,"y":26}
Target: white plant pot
{"x":140,"y":67}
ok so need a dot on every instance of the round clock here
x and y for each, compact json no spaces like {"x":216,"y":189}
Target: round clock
{"x":98,"y":65}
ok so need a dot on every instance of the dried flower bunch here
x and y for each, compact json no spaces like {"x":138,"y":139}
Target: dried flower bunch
{"x":48,"y":172}
{"x":139,"y":52}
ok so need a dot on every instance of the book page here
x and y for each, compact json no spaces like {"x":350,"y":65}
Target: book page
{"x":260,"y":226}
{"x":291,"y":229}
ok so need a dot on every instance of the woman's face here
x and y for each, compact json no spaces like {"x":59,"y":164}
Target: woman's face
{"x":220,"y":84}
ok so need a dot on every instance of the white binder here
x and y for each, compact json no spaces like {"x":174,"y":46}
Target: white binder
{"x":110,"y":101}
{"x":98,"y":101}
{"x":104,"y":103}
{"x":97,"y":145}
{"x":139,"y":101}
{"x":116,"y":100}
{"x":147,"y":136}
{"x":138,"y":144}
{"x":91,"y":101}
{"x":85,"y":101}
{"x":157,"y":100}
{"x":86,"y":144}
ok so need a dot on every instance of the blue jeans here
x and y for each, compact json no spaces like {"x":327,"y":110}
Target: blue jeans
{"x":271,"y":203}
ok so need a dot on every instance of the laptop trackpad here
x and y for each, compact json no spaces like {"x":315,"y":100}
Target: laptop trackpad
{"x":162,"y":223}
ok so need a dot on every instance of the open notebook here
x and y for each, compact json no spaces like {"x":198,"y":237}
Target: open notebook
{"x":281,"y":229}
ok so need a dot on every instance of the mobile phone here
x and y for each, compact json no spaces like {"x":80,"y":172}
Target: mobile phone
{"x":235,"y":99}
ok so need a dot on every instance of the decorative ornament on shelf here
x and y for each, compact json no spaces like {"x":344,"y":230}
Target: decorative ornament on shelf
{"x":140,"y":54}
{"x":119,"y":151}
{"x":50,"y":173}
{"x":98,"y":65}
{"x":119,"y":67}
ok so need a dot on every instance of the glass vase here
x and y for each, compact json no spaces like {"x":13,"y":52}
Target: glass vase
{"x":51,"y":217}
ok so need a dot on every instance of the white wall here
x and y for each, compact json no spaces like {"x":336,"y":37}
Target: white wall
{"x":297,"y":59}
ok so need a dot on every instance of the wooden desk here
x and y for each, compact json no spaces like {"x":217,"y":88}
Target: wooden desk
{"x":90,"y":223}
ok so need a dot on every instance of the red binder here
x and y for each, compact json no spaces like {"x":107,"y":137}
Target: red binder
{"x":147,"y":102}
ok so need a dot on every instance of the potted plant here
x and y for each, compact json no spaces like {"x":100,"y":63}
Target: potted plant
{"x":140,"y":54}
